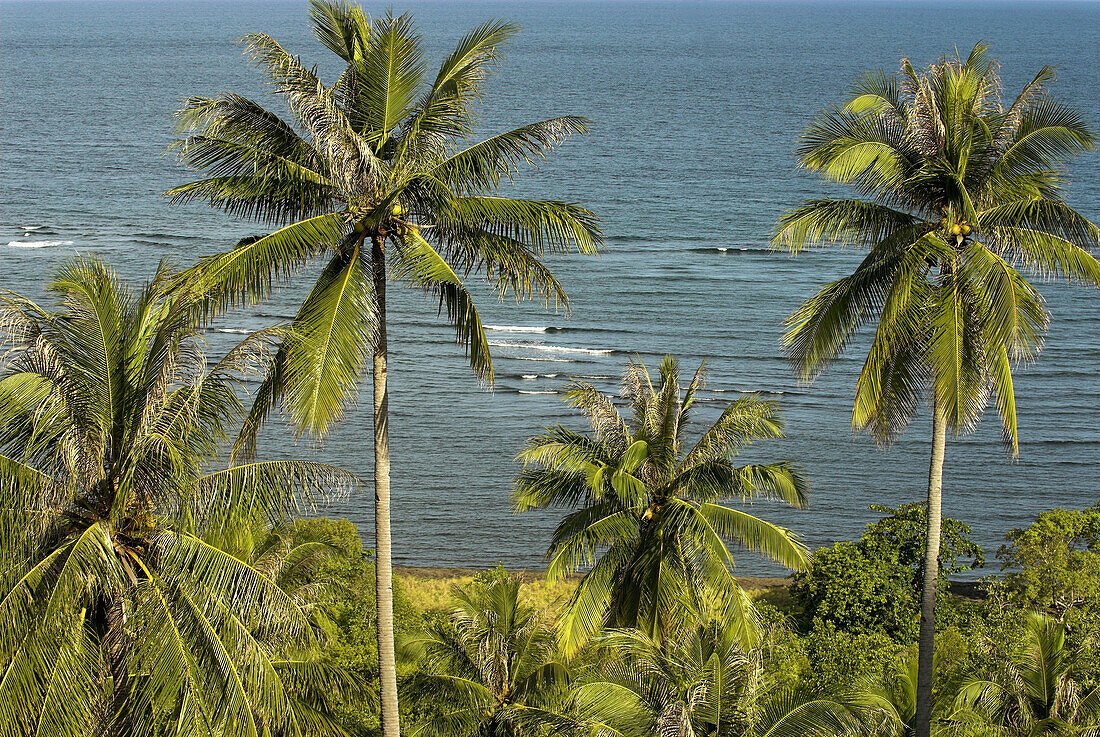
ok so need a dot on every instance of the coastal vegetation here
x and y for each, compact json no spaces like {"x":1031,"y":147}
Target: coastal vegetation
{"x":127,"y":606}
{"x":651,"y":529}
{"x":159,"y":577}
{"x":379,"y":178}
{"x":961,"y":194}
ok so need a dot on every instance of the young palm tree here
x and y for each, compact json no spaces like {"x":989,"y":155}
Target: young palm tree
{"x":960,"y":193}
{"x":1033,"y":692}
{"x":492,"y":669}
{"x":120,"y":615}
{"x":382,"y":180}
{"x":649,"y":511}
{"x":295,"y":566}
{"x":888,"y":706}
{"x":698,"y":683}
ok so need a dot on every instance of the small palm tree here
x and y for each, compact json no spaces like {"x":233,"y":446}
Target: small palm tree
{"x":961,"y":192}
{"x":1032,"y":692}
{"x":295,"y":566}
{"x":649,"y":511}
{"x":492,"y":669}
{"x":888,"y":706}
{"x":120,"y":615}
{"x":381,"y":181}
{"x":698,"y":683}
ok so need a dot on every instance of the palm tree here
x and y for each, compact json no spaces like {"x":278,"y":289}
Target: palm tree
{"x":1032,"y":692}
{"x":121,"y":616}
{"x":698,"y":683}
{"x":888,"y":706}
{"x":650,"y":512}
{"x":295,"y":566}
{"x":960,"y":192}
{"x":381,"y":180}
{"x":492,"y":669}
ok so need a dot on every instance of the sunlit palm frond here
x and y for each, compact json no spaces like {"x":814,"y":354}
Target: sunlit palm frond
{"x":646,"y":517}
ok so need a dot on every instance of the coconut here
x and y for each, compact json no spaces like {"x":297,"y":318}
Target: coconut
{"x":956,"y":229}
{"x":397,"y":210}
{"x":966,"y":229}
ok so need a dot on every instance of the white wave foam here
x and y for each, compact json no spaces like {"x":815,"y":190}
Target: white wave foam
{"x":231,"y":331}
{"x":529,"y":376}
{"x":521,"y":391}
{"x":540,"y":359}
{"x":37,"y":244}
{"x":552,"y":348}
{"x":32,"y":227}
{"x":518,"y":329}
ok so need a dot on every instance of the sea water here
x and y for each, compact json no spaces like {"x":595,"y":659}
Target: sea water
{"x":696,"y":108}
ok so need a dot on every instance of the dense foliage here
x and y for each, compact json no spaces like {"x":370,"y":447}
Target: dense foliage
{"x":133,"y":598}
{"x":873,"y":585}
{"x":650,"y":517}
{"x":156,"y":579}
{"x":485,"y":661}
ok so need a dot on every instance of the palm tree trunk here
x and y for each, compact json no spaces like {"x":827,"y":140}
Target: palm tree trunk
{"x":926,"y":645}
{"x":383,"y":569}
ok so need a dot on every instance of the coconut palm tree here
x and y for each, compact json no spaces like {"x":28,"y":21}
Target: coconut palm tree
{"x":295,"y":566}
{"x":492,"y":669}
{"x":121,"y":616}
{"x":701,"y":682}
{"x":960,"y":193}
{"x":377,"y":176}
{"x":1032,"y":691}
{"x":887,"y":706}
{"x":650,"y":520}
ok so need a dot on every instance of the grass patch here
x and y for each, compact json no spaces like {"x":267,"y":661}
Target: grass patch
{"x":429,"y":589}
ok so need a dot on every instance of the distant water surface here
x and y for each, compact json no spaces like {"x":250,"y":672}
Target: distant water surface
{"x":695,"y":107}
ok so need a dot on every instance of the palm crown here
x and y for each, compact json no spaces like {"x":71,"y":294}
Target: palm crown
{"x":122,"y":611}
{"x":649,"y":511}
{"x":493,"y":666}
{"x":701,"y":682}
{"x":379,"y":158}
{"x":961,"y":192}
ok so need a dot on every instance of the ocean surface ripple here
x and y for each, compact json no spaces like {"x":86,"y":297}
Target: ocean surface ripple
{"x":695,"y":111}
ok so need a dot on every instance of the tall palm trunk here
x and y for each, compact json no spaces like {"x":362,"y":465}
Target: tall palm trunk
{"x":926,"y":646}
{"x":383,"y":568}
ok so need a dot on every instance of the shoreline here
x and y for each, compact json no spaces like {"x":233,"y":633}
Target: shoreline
{"x":442,"y":573}
{"x":437,"y":576}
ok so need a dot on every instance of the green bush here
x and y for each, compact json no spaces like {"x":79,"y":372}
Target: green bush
{"x":901,"y":534}
{"x":871,"y":586}
{"x":851,"y":591}
{"x":1053,"y":565}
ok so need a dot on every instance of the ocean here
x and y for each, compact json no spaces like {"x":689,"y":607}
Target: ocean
{"x":695,"y":108}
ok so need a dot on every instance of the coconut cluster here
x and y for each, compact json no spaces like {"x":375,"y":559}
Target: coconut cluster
{"x":959,"y":228}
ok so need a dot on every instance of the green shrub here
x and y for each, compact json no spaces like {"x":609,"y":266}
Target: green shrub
{"x":871,"y":586}
{"x":1054,"y":566}
{"x":901,"y":534}
{"x":853,"y":592}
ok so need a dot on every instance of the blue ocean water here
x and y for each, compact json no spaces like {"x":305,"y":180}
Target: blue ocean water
{"x":695,"y":109}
